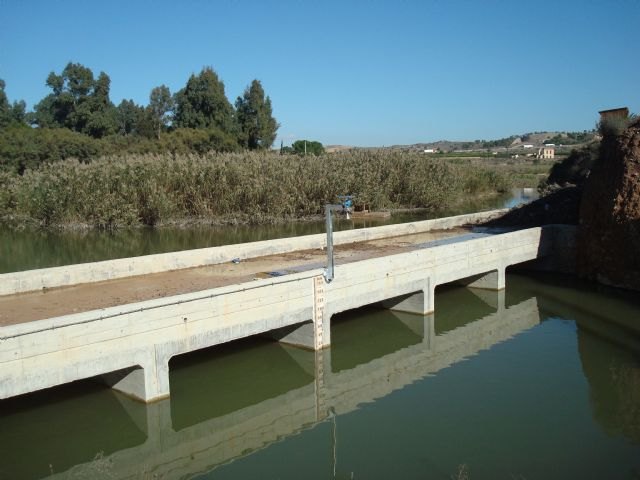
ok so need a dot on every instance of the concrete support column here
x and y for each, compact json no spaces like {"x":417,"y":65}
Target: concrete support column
{"x":420,"y":303}
{"x":162,"y":377}
{"x":494,"y":280}
{"x":148,"y":383}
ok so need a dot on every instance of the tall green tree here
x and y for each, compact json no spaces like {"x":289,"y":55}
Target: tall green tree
{"x":255,"y":118}
{"x":69,"y":90}
{"x":78,"y":102}
{"x":304,"y":147}
{"x":102,"y":118}
{"x":160,"y":108}
{"x":19,"y":112}
{"x":128,"y":116}
{"x":5,"y":108}
{"x":202,"y":103}
{"x":10,"y":114}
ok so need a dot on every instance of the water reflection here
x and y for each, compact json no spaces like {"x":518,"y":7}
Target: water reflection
{"x":359,"y":337}
{"x":457,"y":306}
{"x":608,"y":337}
{"x":53,"y":431}
{"x":217,"y":382}
{"x":29,"y":249}
{"x":613,"y":374}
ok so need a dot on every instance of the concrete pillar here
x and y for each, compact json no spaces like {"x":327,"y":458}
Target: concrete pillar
{"x":420,"y":303}
{"x":162,"y":377}
{"x":494,"y":280}
{"x":148,"y":383}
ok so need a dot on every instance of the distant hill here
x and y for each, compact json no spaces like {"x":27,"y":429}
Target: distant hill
{"x":337,"y":148}
{"x":537,"y":139}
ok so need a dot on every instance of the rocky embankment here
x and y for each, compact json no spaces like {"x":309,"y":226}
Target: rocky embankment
{"x":606,"y":208}
{"x":608,"y":243}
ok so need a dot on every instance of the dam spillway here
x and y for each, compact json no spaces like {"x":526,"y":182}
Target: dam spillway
{"x":130,"y":344}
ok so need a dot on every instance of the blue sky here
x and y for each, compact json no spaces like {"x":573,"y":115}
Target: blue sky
{"x":367,"y":73}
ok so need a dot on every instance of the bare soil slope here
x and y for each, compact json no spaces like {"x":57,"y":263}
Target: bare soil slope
{"x":608,"y":247}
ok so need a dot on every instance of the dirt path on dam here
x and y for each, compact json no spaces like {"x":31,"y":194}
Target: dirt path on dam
{"x":26,"y":307}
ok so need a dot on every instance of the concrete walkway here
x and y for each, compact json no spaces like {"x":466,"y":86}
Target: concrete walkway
{"x":58,"y":301}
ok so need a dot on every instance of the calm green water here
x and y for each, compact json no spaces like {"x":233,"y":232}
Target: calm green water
{"x":26,"y":250}
{"x":539,"y":382}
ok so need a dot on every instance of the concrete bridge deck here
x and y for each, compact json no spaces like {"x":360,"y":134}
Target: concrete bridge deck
{"x":131,"y":344}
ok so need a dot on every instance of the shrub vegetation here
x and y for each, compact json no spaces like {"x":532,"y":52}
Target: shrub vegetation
{"x":259,"y":187}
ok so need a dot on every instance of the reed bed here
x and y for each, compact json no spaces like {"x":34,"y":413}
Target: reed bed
{"x":115,"y":192}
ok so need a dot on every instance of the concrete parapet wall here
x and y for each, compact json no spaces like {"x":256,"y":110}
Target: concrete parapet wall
{"x":19,"y":282}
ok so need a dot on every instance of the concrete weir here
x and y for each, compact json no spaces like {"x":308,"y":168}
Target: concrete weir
{"x":130,"y":345}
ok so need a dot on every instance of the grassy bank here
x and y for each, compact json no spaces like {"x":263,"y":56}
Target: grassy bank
{"x":150,"y":189}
